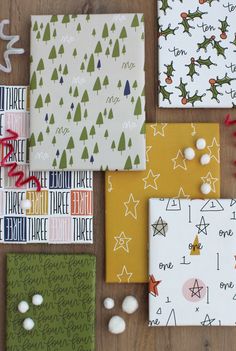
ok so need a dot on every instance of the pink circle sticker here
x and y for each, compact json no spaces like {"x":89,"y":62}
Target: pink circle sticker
{"x":194,"y":290}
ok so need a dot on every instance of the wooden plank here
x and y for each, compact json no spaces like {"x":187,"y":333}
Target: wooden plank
{"x":138,"y":336}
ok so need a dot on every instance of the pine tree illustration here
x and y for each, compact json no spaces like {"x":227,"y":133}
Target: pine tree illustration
{"x":68,"y":117}
{"x":61,"y":80}
{"x":105,"y":82}
{"x":47,"y":130}
{"x":47,"y":33}
{"x":38,"y":36}
{"x":128,"y":164}
{"x":135,"y":22}
{"x":46,"y":118}
{"x":105,"y":33}
{"x":61,"y":50}
{"x":110,"y":114}
{"x":41,"y":26}
{"x":39,"y":103}
{"x":65,"y":19}
{"x":90,"y":67}
{"x":61,"y":102}
{"x":35,"y":27}
{"x":113,"y":28}
{"x":32,"y":142}
{"x":84,"y":135}
{"x":78,"y":28}
{"x":99,"y":120}
{"x":116,"y":50}
{"x":105,"y":112}
{"x":54,"y":19}
{"x":137,"y":161}
{"x":40,"y":66}
{"x":123,"y":33}
{"x":107,"y":52}
{"x":92,"y":131}
{"x":52,"y":119}
{"x":54,"y":163}
{"x":76,"y":92}
{"x":77,"y":115}
{"x":97,"y":85}
{"x":85,"y":154}
{"x":54,"y":76}
{"x":47,"y":99}
{"x":85,"y":113}
{"x":121,"y":145}
{"x":98,"y":48}
{"x":106,"y":134}
{"x":52,"y":54}
{"x":113,"y":145}
{"x":135,"y":85}
{"x":138,"y":108}
{"x":63,"y":160}
{"x":127,"y":89}
{"x":143,"y":129}
{"x":129,"y":143}
{"x":85,"y":97}
{"x":82,"y":67}
{"x":99,"y":64}
{"x":41,"y":82}
{"x":70,"y":144}
{"x":58,"y":153}
{"x":54,"y":34}
{"x":123,"y":50}
{"x":110,"y":42}
{"x":94,"y":32}
{"x":54,"y":140}
{"x":71,"y":161}
{"x":88,"y":18}
{"x":132,"y":100}
{"x":74,"y":53}
{"x":85,"y":57}
{"x":60,"y":68}
{"x":96,"y":149}
{"x":40,"y":138}
{"x":33,"y":82}
{"x":65,"y":70}
{"x":119,"y":85}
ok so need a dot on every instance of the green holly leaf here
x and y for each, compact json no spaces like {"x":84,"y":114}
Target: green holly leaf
{"x":165,"y":94}
{"x":215,"y":92}
{"x":225,"y":80}
{"x":224,"y":25}
{"x":205,"y":62}
{"x":182,"y":88}
{"x":192,"y":69}
{"x":196,"y":14}
{"x":166,"y":32}
{"x":205,"y":43}
{"x":169,"y":69}
{"x":186,"y":26}
{"x":195,"y":98}
{"x":219,"y":49}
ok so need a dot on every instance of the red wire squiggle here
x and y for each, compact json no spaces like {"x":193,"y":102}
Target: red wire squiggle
{"x":228,"y":121}
{"x":13,"y":165}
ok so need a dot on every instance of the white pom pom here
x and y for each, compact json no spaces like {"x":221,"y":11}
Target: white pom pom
{"x":116,"y":325}
{"x":23,"y":307}
{"x":201,"y":144}
{"x":130,"y":304}
{"x":205,"y":159}
{"x":25,"y":204}
{"x":189,"y":153}
{"x":108,"y":303}
{"x":205,"y":188}
{"x":37,"y":300}
{"x":28,"y":324}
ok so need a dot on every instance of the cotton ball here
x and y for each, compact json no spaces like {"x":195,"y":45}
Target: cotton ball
{"x":201,"y":144}
{"x":205,"y":188}
{"x":23,"y":307}
{"x":37,"y":300}
{"x":205,"y":159}
{"x":25,"y":204}
{"x":116,"y":325}
{"x":189,"y":153}
{"x":28,"y":324}
{"x":130,"y":304}
{"x":108,"y":303}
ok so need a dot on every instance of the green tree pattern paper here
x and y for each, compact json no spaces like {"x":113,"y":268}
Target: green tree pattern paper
{"x":66,"y":319}
{"x":197,"y":52}
{"x":87,"y":76}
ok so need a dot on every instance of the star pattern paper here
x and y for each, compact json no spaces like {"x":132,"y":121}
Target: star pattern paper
{"x":127,"y":193}
{"x":122,"y":242}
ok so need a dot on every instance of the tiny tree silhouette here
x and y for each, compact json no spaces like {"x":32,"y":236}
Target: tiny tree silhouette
{"x":40,"y":66}
{"x":105,"y":33}
{"x":70,"y":144}
{"x":121,"y":145}
{"x":40,"y":138}
{"x":33,"y":82}
{"x":99,"y":120}
{"x":77,"y":115}
{"x":85,"y":155}
{"x":127,"y":89}
{"x":84,"y":135}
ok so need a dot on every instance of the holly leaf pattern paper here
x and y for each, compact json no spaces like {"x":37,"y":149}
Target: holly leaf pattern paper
{"x":87,"y":92}
{"x":197,"y":51}
{"x":168,"y":174}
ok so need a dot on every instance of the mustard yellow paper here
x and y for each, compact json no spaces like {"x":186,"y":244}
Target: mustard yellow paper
{"x":168,"y":174}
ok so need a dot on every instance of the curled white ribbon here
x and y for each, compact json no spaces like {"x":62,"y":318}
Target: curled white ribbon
{"x":10,"y":50}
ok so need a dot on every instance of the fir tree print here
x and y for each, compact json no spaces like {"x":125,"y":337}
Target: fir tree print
{"x":99,"y":120}
{"x":33,"y":82}
{"x":77,"y":115}
{"x":32,"y":142}
{"x":70,"y":144}
{"x":52,"y":119}
{"x":54,"y":163}
{"x":54,"y":76}
{"x":85,"y":154}
{"x":137,"y":161}
{"x":85,"y":97}
{"x":39,"y":102}
{"x":123,"y":33}
{"x":113,"y":145}
{"x":40,"y":138}
{"x":105,"y":33}
{"x":116,"y":50}
{"x":96,"y":149}
{"x":78,"y":28}
{"x":128,"y":164}
{"x":76,"y":92}
{"x":66,"y":19}
{"x":47,"y":130}
{"x":90,"y":67}
{"x":54,"y":19}
{"x":97,"y":85}
{"x":106,"y":134}
{"x":92,"y":132}
{"x":41,"y":82}
{"x":84,"y":135}
{"x":113,"y":28}
{"x":121,"y":145}
{"x":135,"y":22}
{"x":105,"y":82}
{"x":74,"y":53}
{"x":61,"y":50}
{"x":68,"y":117}
{"x":127,"y":89}
{"x":47,"y":99}
{"x":71,"y":161}
{"x":63,"y":160}
{"x":52,"y":54}
{"x":47,"y":33}
{"x":110,"y":114}
{"x":35,"y":27}
{"x":54,"y":140}
{"x":98,"y":48}
{"x":138,"y":108}
{"x":40,"y":66}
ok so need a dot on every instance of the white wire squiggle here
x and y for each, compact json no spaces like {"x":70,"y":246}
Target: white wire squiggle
{"x":10,"y":50}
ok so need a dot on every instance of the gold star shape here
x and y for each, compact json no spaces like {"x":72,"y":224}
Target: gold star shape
{"x":131,"y":206}
{"x":214,"y":150}
{"x":182,"y":194}
{"x":210,"y":180}
{"x":124,"y":276}
{"x":179,"y":161}
{"x":159,"y":129}
{"x":148,"y":148}
{"x":122,"y":242}
{"x":150,"y":180}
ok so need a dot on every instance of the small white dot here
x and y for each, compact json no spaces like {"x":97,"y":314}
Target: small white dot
{"x":201,"y":144}
{"x":205,"y":188}
{"x":189,"y":153}
{"x":205,"y":159}
{"x":25,"y":204}
{"x":116,"y":325}
{"x":130,"y":304}
{"x":37,"y":300}
{"x":108,"y":303}
{"x":28,"y":324}
{"x":23,"y":307}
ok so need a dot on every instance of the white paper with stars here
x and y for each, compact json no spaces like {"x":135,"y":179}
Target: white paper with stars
{"x":192,"y":262}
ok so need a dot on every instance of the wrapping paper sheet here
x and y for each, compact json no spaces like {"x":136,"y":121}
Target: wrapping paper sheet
{"x":168,"y":174}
